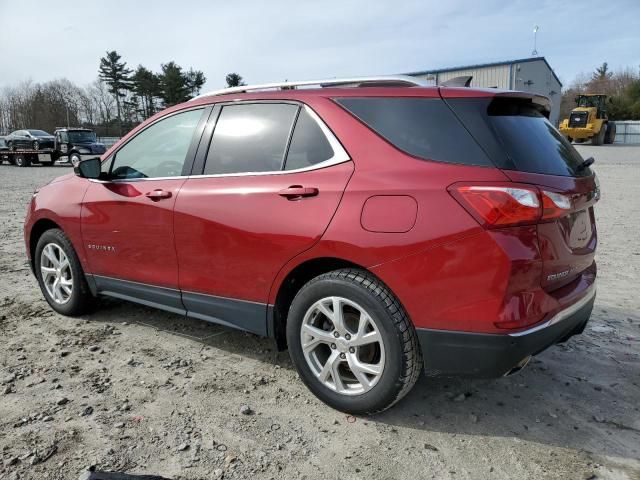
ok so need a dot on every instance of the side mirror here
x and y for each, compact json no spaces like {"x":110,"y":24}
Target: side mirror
{"x":89,"y":168}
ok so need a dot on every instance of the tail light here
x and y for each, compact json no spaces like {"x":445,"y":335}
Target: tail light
{"x":505,"y":205}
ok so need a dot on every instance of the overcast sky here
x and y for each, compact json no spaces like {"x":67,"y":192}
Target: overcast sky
{"x":274,"y":40}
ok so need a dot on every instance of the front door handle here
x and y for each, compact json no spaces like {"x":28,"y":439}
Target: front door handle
{"x":298,"y":191}
{"x":158,"y":194}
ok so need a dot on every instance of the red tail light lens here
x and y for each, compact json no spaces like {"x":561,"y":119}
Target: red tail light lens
{"x":505,"y":205}
{"x":499,"y":206}
{"x":554,"y":205}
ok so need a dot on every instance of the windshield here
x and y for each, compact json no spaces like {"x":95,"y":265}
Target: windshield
{"x":588,"y":101}
{"x":82,"y":137}
{"x":39,"y":133}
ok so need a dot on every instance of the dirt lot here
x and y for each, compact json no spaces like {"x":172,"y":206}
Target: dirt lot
{"x":137,"y":390}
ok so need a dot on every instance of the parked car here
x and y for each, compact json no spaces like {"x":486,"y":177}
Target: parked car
{"x":31,"y":139}
{"x":375,"y":230}
{"x":77,"y":144}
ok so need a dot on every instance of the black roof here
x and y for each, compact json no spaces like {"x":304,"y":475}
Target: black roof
{"x":482,"y":65}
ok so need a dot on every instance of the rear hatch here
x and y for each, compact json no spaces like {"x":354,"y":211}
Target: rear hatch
{"x":515,"y":132}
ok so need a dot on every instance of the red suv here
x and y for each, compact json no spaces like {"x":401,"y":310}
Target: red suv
{"x":372,"y":226}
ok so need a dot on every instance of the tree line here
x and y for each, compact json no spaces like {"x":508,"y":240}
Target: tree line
{"x":118,"y":100}
{"x":622,"y":87}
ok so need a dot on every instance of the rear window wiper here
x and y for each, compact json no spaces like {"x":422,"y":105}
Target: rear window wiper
{"x":586,"y":163}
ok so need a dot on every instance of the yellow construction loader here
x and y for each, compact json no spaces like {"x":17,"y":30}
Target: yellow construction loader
{"x":589,"y":121}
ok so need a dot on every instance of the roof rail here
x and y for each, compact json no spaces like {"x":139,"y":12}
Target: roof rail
{"x":380,"y":81}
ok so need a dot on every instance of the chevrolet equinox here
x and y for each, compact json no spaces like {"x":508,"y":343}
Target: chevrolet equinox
{"x":374,"y":227}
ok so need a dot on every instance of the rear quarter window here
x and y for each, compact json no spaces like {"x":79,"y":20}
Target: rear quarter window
{"x":425,"y":128}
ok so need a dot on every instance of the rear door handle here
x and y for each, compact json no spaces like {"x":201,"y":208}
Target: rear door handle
{"x":298,"y":191}
{"x":158,"y":194}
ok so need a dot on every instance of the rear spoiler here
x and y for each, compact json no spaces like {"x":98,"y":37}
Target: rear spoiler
{"x":461,"y":81}
{"x":540,"y":101}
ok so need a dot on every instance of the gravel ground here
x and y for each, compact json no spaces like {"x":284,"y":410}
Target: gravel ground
{"x":137,"y":390}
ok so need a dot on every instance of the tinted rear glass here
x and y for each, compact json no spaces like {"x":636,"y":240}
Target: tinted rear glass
{"x":422,"y":127}
{"x":518,"y":136}
{"x":532,"y":142}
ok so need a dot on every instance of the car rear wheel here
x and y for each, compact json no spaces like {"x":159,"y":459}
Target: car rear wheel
{"x":36,"y":145}
{"x":60,"y":274}
{"x":352,"y":342}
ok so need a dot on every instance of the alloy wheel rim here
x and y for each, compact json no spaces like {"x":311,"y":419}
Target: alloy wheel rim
{"x":56,"y":273}
{"x":342,"y":345}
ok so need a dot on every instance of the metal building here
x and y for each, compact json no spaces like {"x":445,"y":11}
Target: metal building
{"x":527,"y":74}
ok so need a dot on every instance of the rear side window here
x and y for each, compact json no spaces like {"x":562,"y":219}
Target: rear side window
{"x":309,"y":146}
{"x":423,"y":127}
{"x":250,"y":138}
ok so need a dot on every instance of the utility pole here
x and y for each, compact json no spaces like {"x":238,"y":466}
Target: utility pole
{"x":534,"y":53}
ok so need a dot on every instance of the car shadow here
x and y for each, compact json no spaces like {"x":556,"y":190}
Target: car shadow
{"x":581,"y":395}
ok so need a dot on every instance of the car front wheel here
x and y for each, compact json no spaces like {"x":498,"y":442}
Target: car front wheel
{"x":60,"y":274}
{"x":352,"y":342}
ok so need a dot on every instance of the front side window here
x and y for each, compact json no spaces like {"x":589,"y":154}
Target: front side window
{"x":159,"y":150}
{"x":250,"y":138}
{"x":309,"y":145}
{"x":38,"y":133}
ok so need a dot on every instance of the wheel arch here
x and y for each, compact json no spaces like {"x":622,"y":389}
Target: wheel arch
{"x":39,"y":227}
{"x":291,"y":285}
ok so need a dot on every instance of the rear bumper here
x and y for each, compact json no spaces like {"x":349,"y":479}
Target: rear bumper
{"x":451,"y":353}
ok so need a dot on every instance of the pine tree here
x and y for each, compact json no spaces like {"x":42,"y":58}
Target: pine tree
{"x":173,"y":84}
{"x":602,"y":72}
{"x":117,"y":76}
{"x":195,"y":81}
{"x":234,"y":80}
{"x":146,"y":86}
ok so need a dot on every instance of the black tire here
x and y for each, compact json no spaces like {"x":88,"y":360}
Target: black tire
{"x":598,"y":139}
{"x":80,"y":300}
{"x":74,"y":159}
{"x":11,"y":146}
{"x":403,"y":357}
{"x":22,"y":160}
{"x":36,"y":145}
{"x":610,"y":136}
